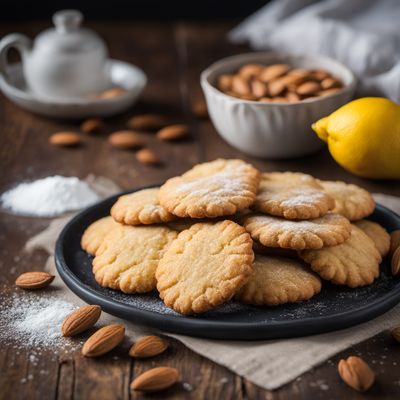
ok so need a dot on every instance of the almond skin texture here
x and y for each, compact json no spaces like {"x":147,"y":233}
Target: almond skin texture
{"x":241,"y":85}
{"x":148,"y":346}
{"x":308,"y":88}
{"x":395,"y":263}
{"x":80,"y":320}
{"x":92,"y":125}
{"x":396,"y":334}
{"x":147,"y":157}
{"x":125,"y":140}
{"x":173,"y":132}
{"x":225,"y":82}
{"x":155,"y":379}
{"x":356,"y":373}
{"x":34,"y":280}
{"x":273,"y":71}
{"x":104,"y":340}
{"x":394,"y":241}
{"x":65,"y":139}
{"x":147,"y":122}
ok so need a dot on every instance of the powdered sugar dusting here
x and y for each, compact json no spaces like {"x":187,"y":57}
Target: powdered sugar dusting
{"x":32,"y":320}
{"x":49,"y":196}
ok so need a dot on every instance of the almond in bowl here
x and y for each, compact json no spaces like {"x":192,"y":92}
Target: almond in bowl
{"x":264,"y":103}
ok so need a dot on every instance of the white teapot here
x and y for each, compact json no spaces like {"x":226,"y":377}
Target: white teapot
{"x":64,"y":62}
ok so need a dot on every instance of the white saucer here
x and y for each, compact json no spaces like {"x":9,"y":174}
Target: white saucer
{"x":122,"y":74}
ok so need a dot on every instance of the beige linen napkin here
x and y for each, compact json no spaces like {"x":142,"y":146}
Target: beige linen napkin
{"x":268,"y":364}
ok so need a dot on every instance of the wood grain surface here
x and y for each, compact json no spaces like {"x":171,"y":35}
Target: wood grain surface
{"x":172,"y":55}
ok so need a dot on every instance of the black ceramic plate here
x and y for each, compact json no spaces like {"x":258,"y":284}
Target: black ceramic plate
{"x":334,"y":308}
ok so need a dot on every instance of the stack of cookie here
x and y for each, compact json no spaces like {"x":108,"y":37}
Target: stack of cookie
{"x":224,"y":230}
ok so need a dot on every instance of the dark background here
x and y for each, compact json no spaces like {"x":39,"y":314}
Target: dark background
{"x":13,"y":10}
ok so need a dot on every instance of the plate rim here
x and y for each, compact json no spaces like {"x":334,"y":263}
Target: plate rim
{"x":209,"y":328}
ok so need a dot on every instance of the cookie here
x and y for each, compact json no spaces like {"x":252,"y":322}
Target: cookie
{"x":377,"y":233}
{"x":292,"y":195}
{"x":351,"y":201}
{"x":95,"y":233}
{"x":278,"y":280}
{"x":205,"y":266}
{"x":140,"y":208}
{"x":128,"y":257}
{"x":328,"y":230}
{"x":353,"y":263}
{"x":212,"y":189}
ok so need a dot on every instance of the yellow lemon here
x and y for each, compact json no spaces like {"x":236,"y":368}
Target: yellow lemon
{"x":363,"y":136}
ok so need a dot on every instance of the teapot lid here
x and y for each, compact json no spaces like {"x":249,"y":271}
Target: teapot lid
{"x":68,"y":36}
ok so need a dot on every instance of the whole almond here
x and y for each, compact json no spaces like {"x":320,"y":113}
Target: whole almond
{"x":148,"y":346}
{"x":251,"y":70}
{"x":104,"y":340}
{"x":111,"y":93}
{"x":147,"y":156}
{"x":292,"y":97}
{"x":356,"y":373}
{"x":199,"y":109}
{"x":319,"y":74}
{"x":330,"y":83}
{"x":394,"y":241}
{"x":276,"y":87}
{"x":308,"y":88}
{"x":146,"y":122}
{"x":273,"y":71}
{"x":173,"y":132}
{"x":241,"y":85}
{"x":80,"y":320}
{"x":395,"y":263}
{"x":258,"y":88}
{"x":125,"y":140}
{"x":155,"y":379}
{"x":92,"y":125}
{"x":224,"y":82}
{"x":327,"y":92}
{"x":34,"y":280}
{"x":396,"y":334}
{"x":65,"y":139}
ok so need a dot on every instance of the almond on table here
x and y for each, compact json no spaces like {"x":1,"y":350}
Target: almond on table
{"x":125,"y":140}
{"x":356,"y":373}
{"x":65,"y":139}
{"x":155,"y":379}
{"x":92,"y":125}
{"x":147,"y":122}
{"x":80,"y":320}
{"x":148,"y":346}
{"x":173,"y":132}
{"x":104,"y":340}
{"x":148,"y":157}
{"x":199,"y":109}
{"x":34,"y":280}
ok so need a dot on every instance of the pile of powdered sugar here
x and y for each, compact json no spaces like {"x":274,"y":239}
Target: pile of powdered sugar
{"x":48,"y":197}
{"x":34,"y":321}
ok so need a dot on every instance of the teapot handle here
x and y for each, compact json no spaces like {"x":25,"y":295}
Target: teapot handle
{"x":14,"y":40}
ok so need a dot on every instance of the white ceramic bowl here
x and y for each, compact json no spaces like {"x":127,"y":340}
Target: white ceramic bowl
{"x":272,"y":130}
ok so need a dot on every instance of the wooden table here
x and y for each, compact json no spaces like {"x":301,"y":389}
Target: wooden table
{"x":173,"y":56}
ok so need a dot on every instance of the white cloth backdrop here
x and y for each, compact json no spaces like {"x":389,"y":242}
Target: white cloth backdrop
{"x":362,"y":34}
